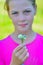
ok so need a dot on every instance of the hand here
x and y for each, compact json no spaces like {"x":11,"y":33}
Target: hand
{"x":19,"y":55}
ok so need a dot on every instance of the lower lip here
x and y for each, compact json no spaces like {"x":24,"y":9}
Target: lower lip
{"x":23,"y":25}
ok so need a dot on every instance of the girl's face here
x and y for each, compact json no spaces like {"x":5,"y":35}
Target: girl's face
{"x":22,"y":14}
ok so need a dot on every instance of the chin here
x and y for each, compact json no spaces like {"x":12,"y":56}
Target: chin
{"x":23,"y":29}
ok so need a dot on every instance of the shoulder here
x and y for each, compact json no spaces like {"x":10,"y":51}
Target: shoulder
{"x":39,"y":47}
{"x":5,"y":50}
{"x":5,"y":40}
{"x":39,"y":37}
{"x":4,"y":43}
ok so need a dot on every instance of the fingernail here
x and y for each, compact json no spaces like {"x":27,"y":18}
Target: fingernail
{"x":26,"y":49}
{"x":27,"y":54}
{"x":25,"y":46}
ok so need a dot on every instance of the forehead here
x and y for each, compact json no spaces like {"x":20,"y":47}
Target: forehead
{"x":19,"y":4}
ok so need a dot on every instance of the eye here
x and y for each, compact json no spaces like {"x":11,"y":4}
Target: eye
{"x":27,"y":11}
{"x":15,"y":13}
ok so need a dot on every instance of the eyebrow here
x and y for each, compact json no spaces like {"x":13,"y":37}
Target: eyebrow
{"x":27,"y":9}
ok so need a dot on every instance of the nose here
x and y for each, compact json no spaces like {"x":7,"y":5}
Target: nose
{"x":21,"y":17}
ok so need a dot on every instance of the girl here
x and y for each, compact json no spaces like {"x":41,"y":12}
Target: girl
{"x":24,"y":46}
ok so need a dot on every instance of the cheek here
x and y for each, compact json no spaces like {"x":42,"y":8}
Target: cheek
{"x":30,"y":17}
{"x":14,"y":20}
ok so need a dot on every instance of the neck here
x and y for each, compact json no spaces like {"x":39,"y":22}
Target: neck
{"x":27,"y":33}
{"x":30,"y":35}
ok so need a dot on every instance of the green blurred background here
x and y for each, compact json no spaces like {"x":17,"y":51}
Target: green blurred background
{"x":6,"y":26}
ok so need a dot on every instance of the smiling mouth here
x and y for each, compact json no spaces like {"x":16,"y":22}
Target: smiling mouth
{"x":23,"y":25}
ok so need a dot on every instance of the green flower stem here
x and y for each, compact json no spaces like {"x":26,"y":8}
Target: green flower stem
{"x":22,"y":37}
{"x":22,"y":40}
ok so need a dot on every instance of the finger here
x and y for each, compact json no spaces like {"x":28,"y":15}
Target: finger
{"x":25,"y":57}
{"x":20,"y":52}
{"x":18,"y":48}
{"x":23,"y":54}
